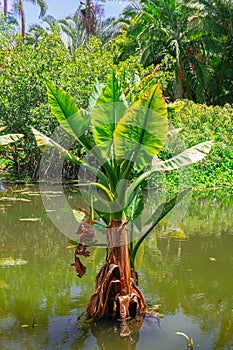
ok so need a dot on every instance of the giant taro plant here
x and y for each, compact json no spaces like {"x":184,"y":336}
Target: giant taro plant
{"x":124,"y":138}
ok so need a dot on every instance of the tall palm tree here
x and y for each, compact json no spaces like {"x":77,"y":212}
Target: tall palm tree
{"x":215,"y":18}
{"x":19,"y":8}
{"x":76,"y":34}
{"x":155,"y":28}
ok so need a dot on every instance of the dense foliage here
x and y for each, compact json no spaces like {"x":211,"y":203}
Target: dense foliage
{"x":189,"y":45}
{"x":198,"y":34}
{"x":24,"y":70}
{"x":200,"y":122}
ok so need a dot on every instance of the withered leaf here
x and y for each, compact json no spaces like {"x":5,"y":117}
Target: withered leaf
{"x":79,"y":267}
{"x":86,"y":232}
{"x":82,"y":250}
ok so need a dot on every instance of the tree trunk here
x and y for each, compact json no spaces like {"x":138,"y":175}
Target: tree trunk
{"x":22,"y":14}
{"x":5,"y":7}
{"x":117,"y":294}
{"x":179,"y":89}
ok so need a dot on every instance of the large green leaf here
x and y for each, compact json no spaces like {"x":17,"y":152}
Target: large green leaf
{"x":44,"y":142}
{"x":95,"y":94}
{"x":161,"y":211}
{"x":190,"y":156}
{"x":142,"y":131}
{"x":109,"y":109}
{"x":64,"y":109}
{"x":136,"y":207}
{"x":9,"y":138}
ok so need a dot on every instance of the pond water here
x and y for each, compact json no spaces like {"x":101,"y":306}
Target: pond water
{"x":186,"y":272}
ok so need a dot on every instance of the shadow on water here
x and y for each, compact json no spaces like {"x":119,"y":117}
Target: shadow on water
{"x":185,"y":274}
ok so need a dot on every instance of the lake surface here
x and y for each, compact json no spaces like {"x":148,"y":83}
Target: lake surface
{"x":185,"y":272}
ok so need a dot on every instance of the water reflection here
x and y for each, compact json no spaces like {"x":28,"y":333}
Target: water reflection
{"x":189,"y":278}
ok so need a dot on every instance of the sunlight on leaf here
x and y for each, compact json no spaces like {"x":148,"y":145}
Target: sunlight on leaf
{"x":142,"y":131}
{"x":189,"y":156}
{"x":10,"y":138}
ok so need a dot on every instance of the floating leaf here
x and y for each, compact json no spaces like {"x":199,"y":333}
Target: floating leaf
{"x":189,"y":339}
{"x":30,"y":219}
{"x":13,"y":199}
{"x":212,"y":259}
{"x":183,"y":335}
{"x":12,"y":262}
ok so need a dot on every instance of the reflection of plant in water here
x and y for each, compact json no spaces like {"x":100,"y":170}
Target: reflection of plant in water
{"x":210,"y":212}
{"x":39,"y":292}
{"x":108,"y":332}
{"x":3,"y":301}
{"x":47,"y":291}
{"x":193,"y":283}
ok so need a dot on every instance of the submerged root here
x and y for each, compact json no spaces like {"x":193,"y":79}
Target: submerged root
{"x":117,"y":295}
{"x":110,"y":299}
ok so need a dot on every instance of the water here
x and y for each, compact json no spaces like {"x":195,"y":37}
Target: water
{"x":186,"y":271}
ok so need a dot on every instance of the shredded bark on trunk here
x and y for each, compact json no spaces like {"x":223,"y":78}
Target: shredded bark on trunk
{"x":117,"y":294}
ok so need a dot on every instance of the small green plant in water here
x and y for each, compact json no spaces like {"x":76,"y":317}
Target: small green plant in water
{"x":190,"y":342}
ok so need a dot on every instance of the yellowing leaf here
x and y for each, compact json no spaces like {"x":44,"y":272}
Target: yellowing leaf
{"x":142,"y":131}
{"x":9,"y":138}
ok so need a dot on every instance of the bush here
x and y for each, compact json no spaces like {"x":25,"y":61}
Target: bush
{"x":201,"y":123}
{"x":23,"y":103}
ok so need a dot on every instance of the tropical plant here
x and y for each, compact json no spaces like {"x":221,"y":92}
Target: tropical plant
{"x":214,"y":18}
{"x":8,"y":138}
{"x":8,"y":25}
{"x":24,"y":68}
{"x":5,"y":140}
{"x":123,"y":138}
{"x":19,"y":8}
{"x":152,"y":29}
{"x":76,"y":34}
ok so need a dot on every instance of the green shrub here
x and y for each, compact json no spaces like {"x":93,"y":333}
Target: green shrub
{"x":23,"y":99}
{"x":200,"y":123}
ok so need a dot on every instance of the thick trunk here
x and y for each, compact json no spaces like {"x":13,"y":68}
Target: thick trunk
{"x":117,"y":294}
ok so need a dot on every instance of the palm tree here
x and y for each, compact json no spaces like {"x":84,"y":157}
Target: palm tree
{"x":19,"y":8}
{"x":156,"y":28}
{"x":215,"y":20}
{"x":76,"y":34}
